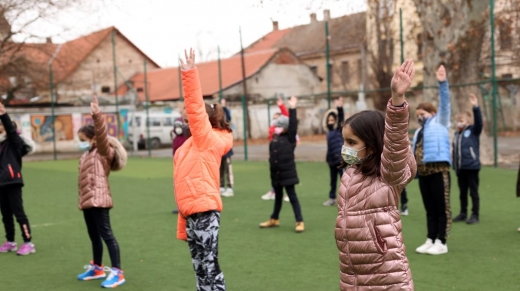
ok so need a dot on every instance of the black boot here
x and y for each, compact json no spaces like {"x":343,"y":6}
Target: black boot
{"x":473,"y":219}
{"x":175,"y":211}
{"x":460,"y":217}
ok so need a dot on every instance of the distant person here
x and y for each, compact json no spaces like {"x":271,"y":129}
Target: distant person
{"x":431,"y":145}
{"x":283,"y":111}
{"x":102,"y":154}
{"x":466,"y":160}
{"x":334,"y":143}
{"x":404,"y":202}
{"x":180,"y":133}
{"x":196,"y":179}
{"x":226,"y":170}
{"x":283,"y":167}
{"x":12,"y":149}
{"x":379,"y":164}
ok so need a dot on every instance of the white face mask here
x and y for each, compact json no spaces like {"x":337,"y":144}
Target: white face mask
{"x":461,"y":125}
{"x":2,"y":137}
{"x":178,"y":130}
{"x":84,"y":146}
{"x":278,"y":130}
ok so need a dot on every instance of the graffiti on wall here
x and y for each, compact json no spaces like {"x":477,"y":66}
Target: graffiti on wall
{"x":41,"y":128}
{"x":111,"y":121}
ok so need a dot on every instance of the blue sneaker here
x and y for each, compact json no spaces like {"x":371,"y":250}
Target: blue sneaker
{"x":93,"y":272}
{"x":115,"y":278}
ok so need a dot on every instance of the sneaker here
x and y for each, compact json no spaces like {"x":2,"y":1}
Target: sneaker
{"x":330,"y":202}
{"x":8,"y":247}
{"x":404,"y":209}
{"x":222,"y":190}
{"x":473,"y":219}
{"x":25,"y":249}
{"x":268,"y":196}
{"x":300,"y":227}
{"x":438,"y":248}
{"x":270,"y":223}
{"x":460,"y":217}
{"x":116,"y":278}
{"x":286,"y":198}
{"x":227,"y":193}
{"x":93,"y":272}
{"x":424,"y":248}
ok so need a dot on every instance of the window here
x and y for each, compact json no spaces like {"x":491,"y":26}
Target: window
{"x":507,"y":76}
{"x":360,"y":71}
{"x":137,"y":121}
{"x":105,"y":89}
{"x":345,"y":71}
{"x":314,"y":69}
{"x":167,"y":121}
{"x":505,"y":32}
{"x":139,"y":89}
{"x":154,"y":121}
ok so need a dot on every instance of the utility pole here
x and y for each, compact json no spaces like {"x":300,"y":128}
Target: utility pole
{"x":244,"y":95}
{"x":327,"y":57}
{"x":115,"y":79}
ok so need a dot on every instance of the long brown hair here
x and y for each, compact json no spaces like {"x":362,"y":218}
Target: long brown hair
{"x":369,"y":126}
{"x":217,"y":117}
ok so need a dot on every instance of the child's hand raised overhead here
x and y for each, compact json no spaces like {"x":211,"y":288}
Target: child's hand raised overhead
{"x":94,"y":105}
{"x":292,"y":102}
{"x":441,"y":74}
{"x":190,"y":60}
{"x":339,"y":102}
{"x":279,"y":102}
{"x":401,"y":81}
{"x":473,"y":100}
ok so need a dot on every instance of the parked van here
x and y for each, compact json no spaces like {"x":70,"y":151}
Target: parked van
{"x":161,"y":125}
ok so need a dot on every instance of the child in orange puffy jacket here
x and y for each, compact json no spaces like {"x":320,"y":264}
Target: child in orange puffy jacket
{"x":197,"y":179}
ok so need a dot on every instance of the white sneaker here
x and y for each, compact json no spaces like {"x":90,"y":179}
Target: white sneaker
{"x":222,"y":190}
{"x":228,"y":193}
{"x":438,"y":248}
{"x":286,"y":198}
{"x":330,"y":202}
{"x":268,"y":196}
{"x":404,"y":213}
{"x":425,"y":247}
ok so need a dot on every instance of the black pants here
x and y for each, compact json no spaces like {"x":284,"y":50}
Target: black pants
{"x":334,"y":173}
{"x":404,"y":197}
{"x":202,"y":231}
{"x":468,"y":179}
{"x":278,"y":191}
{"x":11,"y":204}
{"x":226,"y":173}
{"x":435,"y":192}
{"x":98,"y":226}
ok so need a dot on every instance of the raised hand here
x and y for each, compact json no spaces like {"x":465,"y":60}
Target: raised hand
{"x":190,"y":60}
{"x":94,"y":105}
{"x":292,"y":102}
{"x":223,"y":102}
{"x":279,"y":101}
{"x":441,"y":74}
{"x":473,"y":100}
{"x":339,"y":102}
{"x":401,"y":81}
{"x":2,"y":108}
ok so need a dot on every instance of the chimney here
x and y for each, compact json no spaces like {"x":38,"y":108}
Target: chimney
{"x":313,"y":18}
{"x":48,"y":40}
{"x":326,"y":15}
{"x":275,"y":25}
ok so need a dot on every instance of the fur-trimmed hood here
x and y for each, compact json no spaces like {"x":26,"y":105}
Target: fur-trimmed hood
{"x":120,"y":156}
{"x":324,"y":120}
{"x":30,"y":146}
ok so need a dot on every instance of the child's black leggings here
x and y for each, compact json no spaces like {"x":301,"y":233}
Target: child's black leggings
{"x":98,"y":226}
{"x":278,"y":191}
{"x":11,"y":204}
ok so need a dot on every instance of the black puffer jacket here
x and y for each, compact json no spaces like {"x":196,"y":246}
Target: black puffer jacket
{"x":281,"y":155}
{"x":11,"y":152}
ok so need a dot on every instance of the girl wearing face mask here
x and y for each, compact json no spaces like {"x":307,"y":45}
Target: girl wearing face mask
{"x":283,"y":167}
{"x":334,"y":122}
{"x":102,"y":154}
{"x":431,"y":146}
{"x":180,"y":133}
{"x":379,"y":163}
{"x":12,"y":149}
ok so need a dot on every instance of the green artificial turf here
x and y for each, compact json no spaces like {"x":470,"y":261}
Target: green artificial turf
{"x":481,"y":257}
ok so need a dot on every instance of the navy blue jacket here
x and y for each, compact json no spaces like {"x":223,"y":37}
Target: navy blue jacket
{"x":11,"y":152}
{"x":466,"y":144}
{"x":335,"y":141}
{"x":228,"y":118}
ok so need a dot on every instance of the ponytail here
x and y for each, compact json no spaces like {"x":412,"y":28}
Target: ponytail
{"x":217,"y":117}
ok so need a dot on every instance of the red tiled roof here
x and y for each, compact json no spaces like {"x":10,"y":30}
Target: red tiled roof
{"x":267,"y":41}
{"x":164,"y":83}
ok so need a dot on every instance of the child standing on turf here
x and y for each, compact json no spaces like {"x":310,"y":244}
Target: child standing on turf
{"x":226,"y":170}
{"x":102,"y":154}
{"x":334,"y":142}
{"x":466,"y":159}
{"x":196,"y":179}
{"x":379,"y":163}
{"x":283,"y":167}
{"x":12,"y":149}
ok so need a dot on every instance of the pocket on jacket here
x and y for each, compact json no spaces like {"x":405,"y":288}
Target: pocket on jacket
{"x":378,"y":240}
{"x":472,"y":153}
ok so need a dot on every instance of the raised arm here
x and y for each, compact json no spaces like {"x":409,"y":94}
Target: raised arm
{"x":10,"y":131}
{"x":477,"y":116}
{"x":444,"y":97}
{"x":397,"y":162}
{"x":102,"y":144}
{"x":200,"y":126}
{"x":282,"y":107}
{"x":293,"y":120}
{"x":341,"y":113}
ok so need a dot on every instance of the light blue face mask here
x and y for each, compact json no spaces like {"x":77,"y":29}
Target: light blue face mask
{"x":349,"y":155}
{"x":84,"y":146}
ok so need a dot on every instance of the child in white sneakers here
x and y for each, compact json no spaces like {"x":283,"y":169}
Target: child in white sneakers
{"x":102,"y":154}
{"x":12,"y":149}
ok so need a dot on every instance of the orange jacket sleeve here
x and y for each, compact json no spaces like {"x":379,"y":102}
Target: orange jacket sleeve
{"x":181,"y":227}
{"x":198,"y":120}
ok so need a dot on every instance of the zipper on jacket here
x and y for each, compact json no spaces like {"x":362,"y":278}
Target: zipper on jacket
{"x":345,"y":230}
{"x":472,"y":153}
{"x":11,"y":171}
